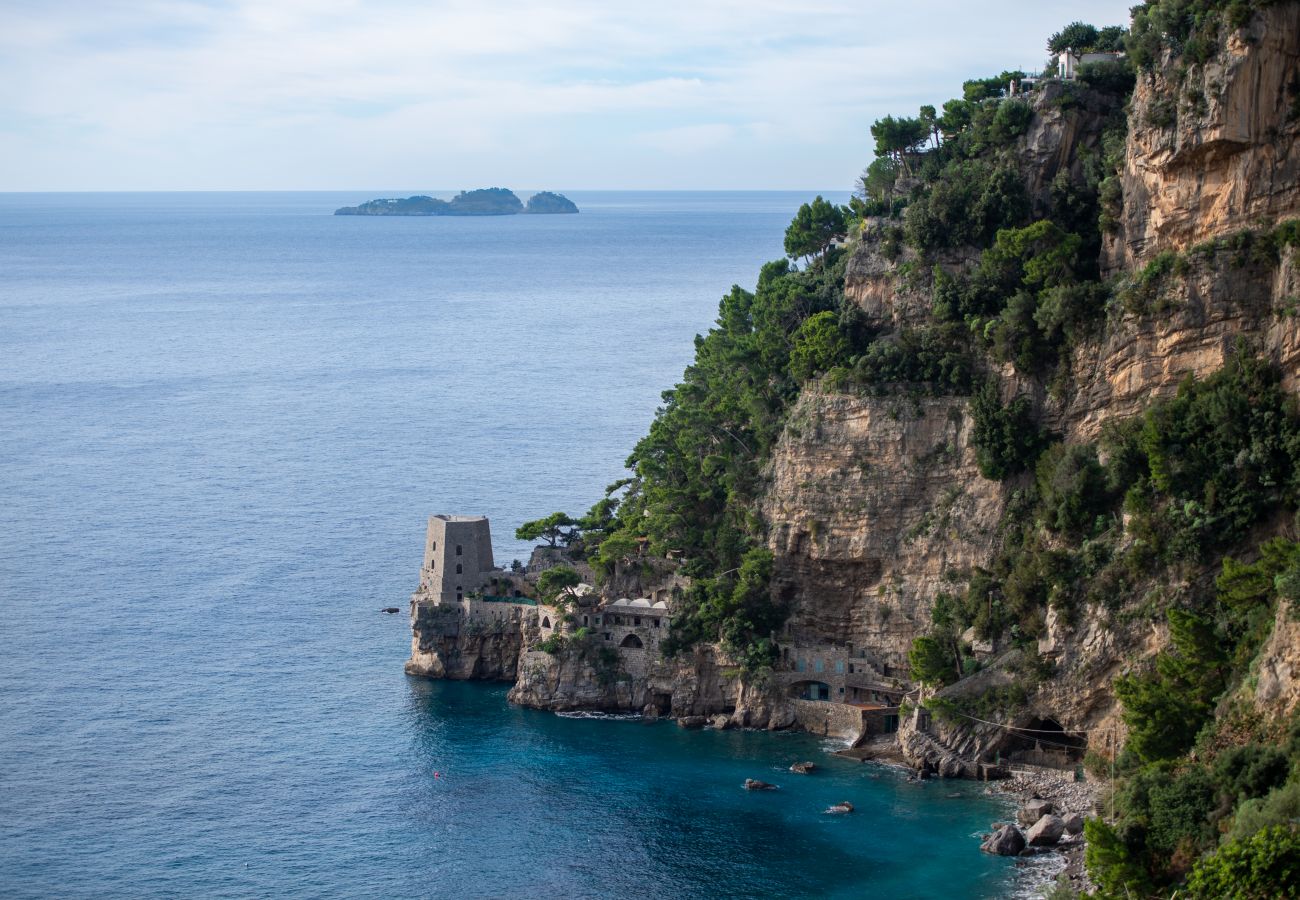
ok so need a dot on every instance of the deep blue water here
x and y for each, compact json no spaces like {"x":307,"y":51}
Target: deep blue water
{"x":224,"y":419}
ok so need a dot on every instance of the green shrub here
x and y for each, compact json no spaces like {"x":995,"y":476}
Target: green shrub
{"x":932,"y":662}
{"x":1113,"y":863}
{"x":1279,"y":807}
{"x":819,"y":345}
{"x":1072,"y":489}
{"x":1164,"y":709}
{"x":1264,"y":866}
{"x":1006,"y":438}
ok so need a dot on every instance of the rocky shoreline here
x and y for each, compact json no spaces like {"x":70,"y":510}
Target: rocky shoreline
{"x":1049,"y":820}
{"x":1050,"y":810}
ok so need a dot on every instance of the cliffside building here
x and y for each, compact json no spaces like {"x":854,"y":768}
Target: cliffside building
{"x":457,"y":557}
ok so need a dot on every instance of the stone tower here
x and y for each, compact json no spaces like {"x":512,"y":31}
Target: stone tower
{"x":457,"y":553}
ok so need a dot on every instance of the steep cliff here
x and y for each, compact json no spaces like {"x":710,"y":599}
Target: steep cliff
{"x":1212,"y":147}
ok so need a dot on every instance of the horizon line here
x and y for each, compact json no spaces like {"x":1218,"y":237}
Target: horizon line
{"x":433,"y":190}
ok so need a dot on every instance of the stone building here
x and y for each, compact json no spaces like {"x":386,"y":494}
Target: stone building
{"x":633,"y":624}
{"x":457,"y":557}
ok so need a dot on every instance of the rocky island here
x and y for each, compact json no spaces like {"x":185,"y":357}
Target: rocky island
{"x":482,"y":202}
{"x":997,"y":473}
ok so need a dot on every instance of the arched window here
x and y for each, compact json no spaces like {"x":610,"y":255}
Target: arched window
{"x":458,"y":550}
{"x":631,"y":641}
{"x":458,"y":568}
{"x":435,"y":547}
{"x":546,"y":621}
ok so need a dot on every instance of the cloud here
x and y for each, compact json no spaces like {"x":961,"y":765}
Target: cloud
{"x":687,"y":140}
{"x":177,"y":94}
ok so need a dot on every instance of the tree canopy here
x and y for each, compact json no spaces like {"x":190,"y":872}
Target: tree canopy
{"x":554,"y":581}
{"x":555,"y":529}
{"x":814,"y":227}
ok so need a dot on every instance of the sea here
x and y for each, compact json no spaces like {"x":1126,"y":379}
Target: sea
{"x":224,"y":421}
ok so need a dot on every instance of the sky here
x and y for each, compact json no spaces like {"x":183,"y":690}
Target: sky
{"x":437,"y":95}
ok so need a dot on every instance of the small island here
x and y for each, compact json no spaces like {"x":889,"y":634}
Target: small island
{"x":482,"y":202}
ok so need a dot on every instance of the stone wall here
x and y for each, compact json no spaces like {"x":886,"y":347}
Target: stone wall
{"x":837,"y":720}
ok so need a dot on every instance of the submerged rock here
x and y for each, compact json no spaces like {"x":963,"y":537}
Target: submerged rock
{"x":803,"y":768}
{"x":840,"y":808}
{"x":753,"y":784}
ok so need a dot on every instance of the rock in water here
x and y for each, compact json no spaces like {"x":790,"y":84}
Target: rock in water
{"x":692,"y":721}
{"x":803,"y":768}
{"x":1046,"y":831}
{"x":753,"y":784}
{"x":840,"y":808}
{"x":1006,"y":841}
{"x":1033,"y":810}
{"x":390,"y":609}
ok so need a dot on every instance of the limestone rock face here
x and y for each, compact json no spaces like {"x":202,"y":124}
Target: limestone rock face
{"x":872,"y":500}
{"x":1145,"y":357}
{"x":1061,"y":135}
{"x":689,"y":686}
{"x":447,"y":644}
{"x":1223,"y":154}
{"x":1278,"y":687}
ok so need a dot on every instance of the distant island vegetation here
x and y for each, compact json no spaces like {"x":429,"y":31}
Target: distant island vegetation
{"x":482,"y":202}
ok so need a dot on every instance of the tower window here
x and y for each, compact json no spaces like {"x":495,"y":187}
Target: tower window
{"x":435,"y":546}
{"x":458,"y":568}
{"x":458,"y":550}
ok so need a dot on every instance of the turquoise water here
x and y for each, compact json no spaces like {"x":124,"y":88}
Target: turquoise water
{"x":226,"y":417}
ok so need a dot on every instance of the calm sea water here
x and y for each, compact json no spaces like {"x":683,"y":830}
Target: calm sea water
{"x":225,"y":419}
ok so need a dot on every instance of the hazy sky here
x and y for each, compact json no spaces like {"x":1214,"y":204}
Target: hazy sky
{"x":569,"y":94}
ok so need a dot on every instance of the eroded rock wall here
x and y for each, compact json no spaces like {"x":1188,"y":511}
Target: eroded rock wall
{"x":1212,"y":147}
{"x":874,"y":502}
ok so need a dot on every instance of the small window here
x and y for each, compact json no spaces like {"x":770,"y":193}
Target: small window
{"x":459,"y":596}
{"x":584,"y":620}
{"x":839,"y":667}
{"x":433,"y":564}
{"x":546,"y":621}
{"x":459,"y":569}
{"x":798,"y":664}
{"x":841,"y":690}
{"x":608,"y":637}
{"x":818,"y":665}
{"x":636,"y":620}
{"x":458,"y":550}
{"x":435,"y":546}
{"x":850,"y":668}
{"x":654,"y":622}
